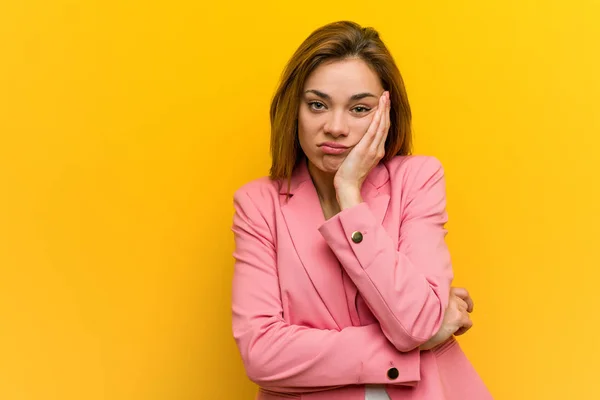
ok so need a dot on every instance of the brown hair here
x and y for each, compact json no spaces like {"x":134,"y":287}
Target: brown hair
{"x":333,"y":42}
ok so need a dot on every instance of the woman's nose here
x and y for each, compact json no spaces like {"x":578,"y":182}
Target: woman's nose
{"x":337,"y":125}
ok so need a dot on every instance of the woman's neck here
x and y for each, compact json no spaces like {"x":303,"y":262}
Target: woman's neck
{"x":325,"y":190}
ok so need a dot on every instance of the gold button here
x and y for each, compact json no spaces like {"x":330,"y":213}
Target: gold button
{"x":357,"y":237}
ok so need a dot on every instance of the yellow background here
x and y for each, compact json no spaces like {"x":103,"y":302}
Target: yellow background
{"x":126,"y":126}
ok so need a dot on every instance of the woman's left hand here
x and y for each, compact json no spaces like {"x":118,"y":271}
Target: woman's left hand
{"x":363,"y":157}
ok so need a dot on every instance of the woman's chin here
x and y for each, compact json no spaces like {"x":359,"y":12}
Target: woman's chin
{"x":331,"y":165}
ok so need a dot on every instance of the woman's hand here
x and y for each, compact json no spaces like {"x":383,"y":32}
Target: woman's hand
{"x":456,"y":318}
{"x":363,"y":157}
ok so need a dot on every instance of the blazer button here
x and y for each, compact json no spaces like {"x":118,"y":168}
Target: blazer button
{"x":357,"y":237}
{"x":393,"y":373}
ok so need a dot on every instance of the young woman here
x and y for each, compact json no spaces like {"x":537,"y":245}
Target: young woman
{"x":342,"y":284}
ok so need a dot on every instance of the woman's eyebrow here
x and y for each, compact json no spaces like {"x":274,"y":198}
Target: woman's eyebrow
{"x":325,"y":96}
{"x":319,"y":93}
{"x":359,"y":96}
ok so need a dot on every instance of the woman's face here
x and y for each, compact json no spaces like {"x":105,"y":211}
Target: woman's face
{"x":338,"y":103}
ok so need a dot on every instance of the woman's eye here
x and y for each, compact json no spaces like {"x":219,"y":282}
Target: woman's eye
{"x":361,"y":109}
{"x":315,"y":105}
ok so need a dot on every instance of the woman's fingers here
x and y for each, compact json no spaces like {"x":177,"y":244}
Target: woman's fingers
{"x":459,"y":291}
{"x":463,"y":329}
{"x":378,"y":144}
{"x":387,"y":125}
{"x":462,"y":305}
{"x":465,"y":323}
{"x":470,"y":304}
{"x":375,"y":124}
{"x":463,"y":294}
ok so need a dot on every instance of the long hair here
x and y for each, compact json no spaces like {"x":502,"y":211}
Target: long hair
{"x":333,"y":42}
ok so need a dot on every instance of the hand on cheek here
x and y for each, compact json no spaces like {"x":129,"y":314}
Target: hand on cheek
{"x":363,"y":157}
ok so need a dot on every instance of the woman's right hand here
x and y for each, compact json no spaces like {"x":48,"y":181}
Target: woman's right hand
{"x":456,"y":318}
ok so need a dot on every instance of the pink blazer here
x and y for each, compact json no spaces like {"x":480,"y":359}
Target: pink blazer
{"x":321,"y":308}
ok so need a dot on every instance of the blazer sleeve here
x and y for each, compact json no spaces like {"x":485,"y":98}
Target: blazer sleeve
{"x":405,"y":284}
{"x":288,"y":358}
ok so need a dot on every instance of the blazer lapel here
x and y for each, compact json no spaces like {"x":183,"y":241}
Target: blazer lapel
{"x":376,"y":192}
{"x":303,"y":216}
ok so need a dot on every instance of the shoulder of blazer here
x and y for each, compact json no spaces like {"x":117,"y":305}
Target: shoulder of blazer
{"x":260,"y":198}
{"x":408,"y":171}
{"x":260,"y":189}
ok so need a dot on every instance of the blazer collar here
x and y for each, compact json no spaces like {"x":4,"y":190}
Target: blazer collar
{"x":375,"y":180}
{"x":303,"y":215}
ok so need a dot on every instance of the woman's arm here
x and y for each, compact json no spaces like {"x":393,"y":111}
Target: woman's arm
{"x":406,"y":284}
{"x":291,"y":358}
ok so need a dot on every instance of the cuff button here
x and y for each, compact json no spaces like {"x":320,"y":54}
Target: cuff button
{"x":393,"y":373}
{"x":357,"y":237}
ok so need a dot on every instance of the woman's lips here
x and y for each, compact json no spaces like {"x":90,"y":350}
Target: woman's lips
{"x":333,"y":148}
